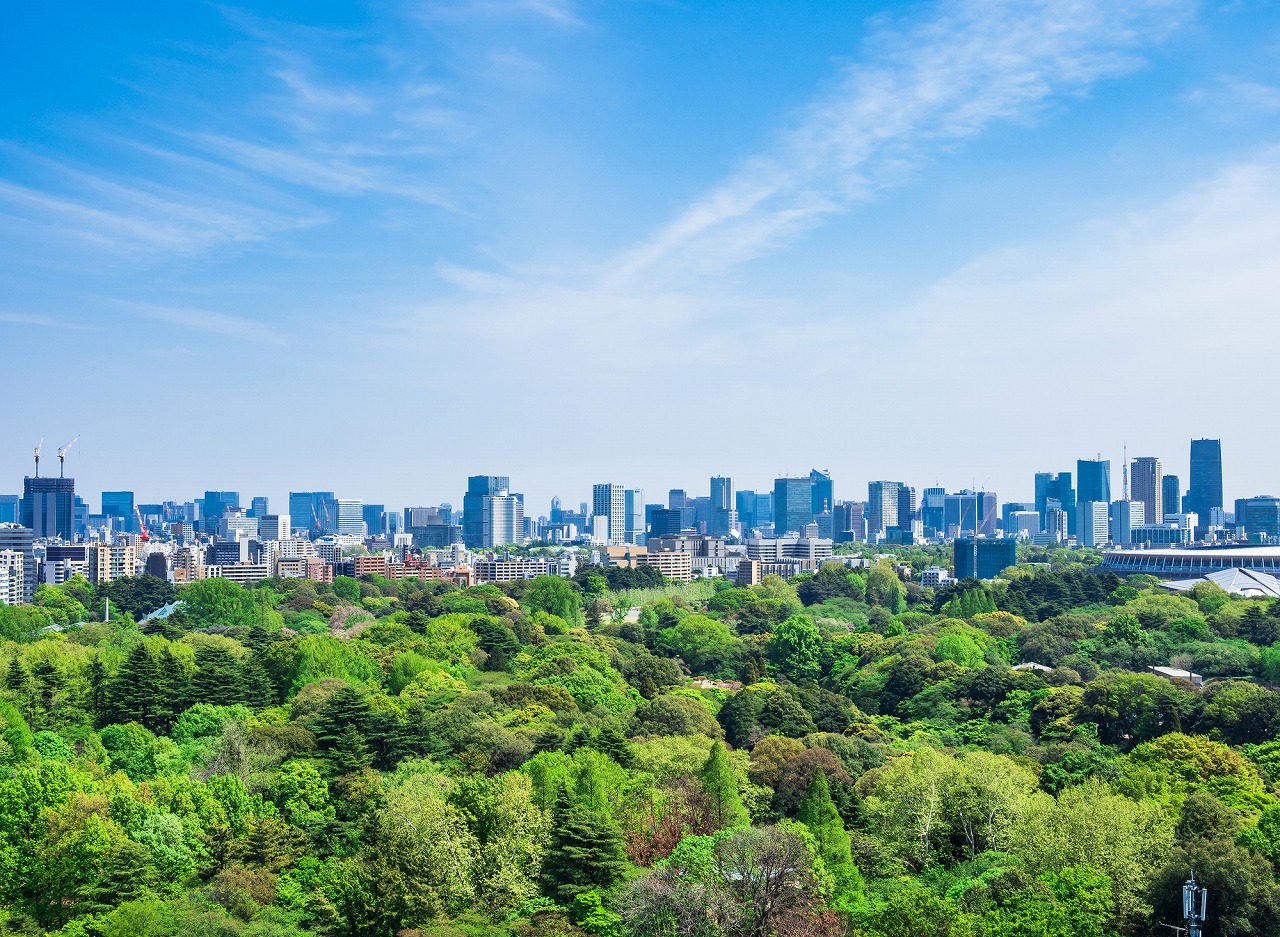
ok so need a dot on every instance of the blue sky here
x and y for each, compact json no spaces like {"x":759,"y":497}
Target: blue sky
{"x":375,"y":248}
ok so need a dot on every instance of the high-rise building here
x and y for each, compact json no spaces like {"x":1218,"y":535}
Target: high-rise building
{"x":480,"y":487}
{"x":10,"y":509}
{"x":1126,"y":515}
{"x":1055,"y":487}
{"x":882,"y":508}
{"x":274,"y":527}
{"x":724,"y":508}
{"x":317,"y":511}
{"x":1146,"y":481}
{"x":502,"y":520}
{"x":933,"y":504}
{"x":259,"y":507}
{"x":1205,"y":491}
{"x":994,"y":554}
{"x":1259,"y":516}
{"x":118,"y":504}
{"x":610,"y":501}
{"x":1171,"y":491}
{"x":18,"y":538}
{"x":792,"y":504}
{"x":849,"y":522}
{"x":1093,"y":480}
{"x":374,"y":519}
{"x":214,"y":505}
{"x":677,"y":498}
{"x":1093,"y":524}
{"x":350,"y":517}
{"x":633,"y":509}
{"x":967,"y":511}
{"x":906,"y":505}
{"x":48,"y":506}
{"x":664,"y":522}
{"x":824,"y":491}
{"x":13,"y":577}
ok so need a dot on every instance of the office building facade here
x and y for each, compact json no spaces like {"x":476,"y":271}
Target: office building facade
{"x":792,"y":504}
{"x":1055,"y":491}
{"x":633,"y":511}
{"x":824,"y":491}
{"x":1204,"y":493}
{"x":1259,"y":516}
{"x":1126,"y":515}
{"x":1146,"y":482}
{"x":1093,"y":480}
{"x":1093,"y":524}
{"x":993,"y":555}
{"x":610,"y":502}
{"x":882,"y":508}
{"x":19,"y":539}
{"x":48,"y":507}
{"x":480,"y":487}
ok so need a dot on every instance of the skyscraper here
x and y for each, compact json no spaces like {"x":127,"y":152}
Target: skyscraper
{"x":118,"y":504}
{"x":792,"y":504}
{"x":48,"y":507}
{"x":633,"y":509}
{"x":907,"y":505}
{"x":610,"y":501}
{"x":1205,"y":490}
{"x":932,"y":507}
{"x":375,"y":519}
{"x":1093,"y":480}
{"x":350,"y":517}
{"x":1094,"y":523}
{"x":824,"y":491}
{"x":214,"y":505}
{"x":1147,"y":483}
{"x":259,"y":507}
{"x":480,"y":487}
{"x":724,"y":509}
{"x":10,"y":509}
{"x":317,"y":511}
{"x":1171,"y":488}
{"x":882,"y":508}
{"x":1051,"y":487}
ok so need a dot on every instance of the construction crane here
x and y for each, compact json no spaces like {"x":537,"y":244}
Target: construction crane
{"x":39,"y":446}
{"x":62,"y":453}
{"x":142,"y":527}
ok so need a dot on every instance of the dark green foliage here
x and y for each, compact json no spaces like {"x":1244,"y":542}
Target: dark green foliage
{"x":587,"y":850}
{"x":138,"y":595}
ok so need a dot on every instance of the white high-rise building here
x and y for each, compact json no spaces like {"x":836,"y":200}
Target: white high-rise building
{"x":12,"y":577}
{"x":1092,"y":523}
{"x":634,"y":508}
{"x":350,"y":517}
{"x":502,"y":520}
{"x":610,"y":501}
{"x":273,"y":527}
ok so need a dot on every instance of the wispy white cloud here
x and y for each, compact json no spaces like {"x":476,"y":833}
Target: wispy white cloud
{"x":562,"y":13}
{"x":922,"y":88}
{"x":204,"y":320}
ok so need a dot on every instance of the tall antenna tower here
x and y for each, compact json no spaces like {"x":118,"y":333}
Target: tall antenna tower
{"x":1124,"y":470}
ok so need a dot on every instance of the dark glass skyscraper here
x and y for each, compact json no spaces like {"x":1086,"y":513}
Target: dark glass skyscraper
{"x":48,"y":506}
{"x":1171,"y":486}
{"x":1051,"y":487}
{"x":480,"y":487}
{"x":1093,"y":480}
{"x":792,"y":504}
{"x":824,"y":491}
{"x":1205,"y":492}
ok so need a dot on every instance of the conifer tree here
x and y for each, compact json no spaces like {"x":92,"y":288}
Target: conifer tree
{"x":587,"y":849}
{"x":721,"y":785}
{"x":819,"y":815}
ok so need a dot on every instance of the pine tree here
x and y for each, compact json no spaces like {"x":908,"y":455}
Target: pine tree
{"x":217,"y":679}
{"x":587,"y":850}
{"x":721,"y":786}
{"x":612,"y":741}
{"x":135,"y":693}
{"x":349,"y":753}
{"x":98,"y":691}
{"x":819,"y":815}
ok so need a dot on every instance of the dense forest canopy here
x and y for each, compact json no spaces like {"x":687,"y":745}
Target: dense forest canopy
{"x":845,"y":753}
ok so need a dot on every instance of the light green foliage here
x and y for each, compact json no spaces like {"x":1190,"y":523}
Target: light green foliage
{"x":795,"y":647}
{"x":1087,"y":825}
{"x":702,"y":642}
{"x":320,"y":656}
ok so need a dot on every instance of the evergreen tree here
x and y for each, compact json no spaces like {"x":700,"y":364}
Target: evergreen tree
{"x":259,"y":691}
{"x":587,"y":850}
{"x":613,"y":742}
{"x":819,"y":815}
{"x":98,"y":690}
{"x":721,"y":786}
{"x":135,"y":693}
{"x":173,"y":688}
{"x":350,"y":752}
{"x":218,"y":679}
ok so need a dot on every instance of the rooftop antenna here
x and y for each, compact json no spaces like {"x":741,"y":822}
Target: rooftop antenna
{"x":39,"y":446}
{"x":62,"y":453}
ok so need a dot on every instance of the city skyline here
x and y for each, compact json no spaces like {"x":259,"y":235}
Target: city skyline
{"x":845,"y":488}
{"x":375,"y":211}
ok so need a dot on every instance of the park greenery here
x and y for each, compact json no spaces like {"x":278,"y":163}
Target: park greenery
{"x":842,"y":754}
